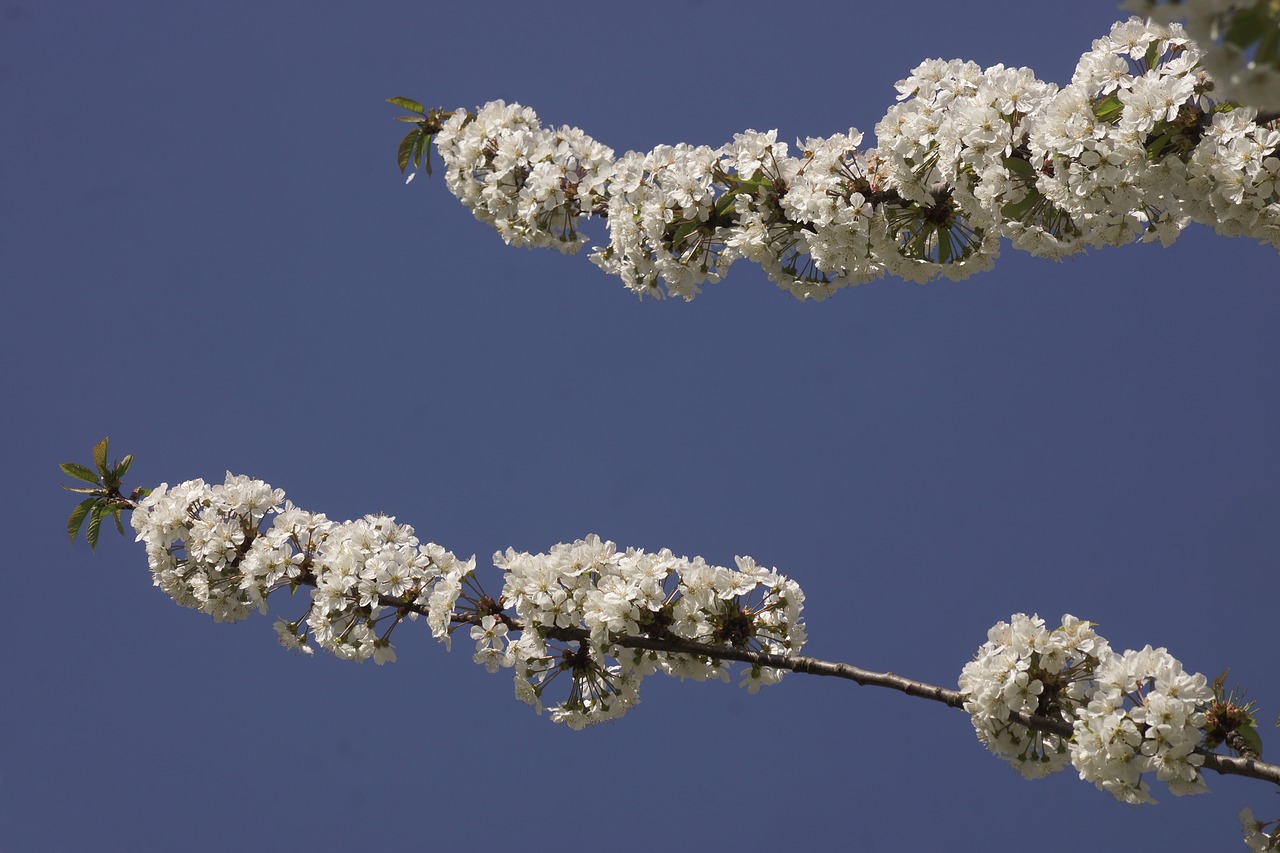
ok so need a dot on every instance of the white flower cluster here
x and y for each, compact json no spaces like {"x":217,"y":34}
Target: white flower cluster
{"x":208,"y":549}
{"x":1025,"y":667}
{"x":1234,"y":177}
{"x":1145,"y":715}
{"x":828,"y":234}
{"x":1231,"y":32}
{"x":955,"y":147}
{"x":1105,"y":145}
{"x":531,"y":183}
{"x":224,"y":549}
{"x":197,"y":537}
{"x":577,"y":601}
{"x":1134,"y":146}
{"x":663,"y":221}
{"x":1131,"y":713}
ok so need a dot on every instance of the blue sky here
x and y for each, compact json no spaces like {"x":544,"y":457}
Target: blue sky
{"x":211,"y":257}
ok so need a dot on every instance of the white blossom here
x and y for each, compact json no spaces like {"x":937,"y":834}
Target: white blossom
{"x":1137,"y":145}
{"x":590,"y":587}
{"x":211,"y":548}
{"x":1025,"y":667}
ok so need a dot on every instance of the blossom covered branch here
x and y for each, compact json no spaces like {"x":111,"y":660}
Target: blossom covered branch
{"x":605,"y":619}
{"x":608,"y":618}
{"x":1135,"y":147}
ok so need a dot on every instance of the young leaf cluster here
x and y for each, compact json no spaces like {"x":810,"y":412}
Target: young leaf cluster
{"x":105,"y":497}
{"x":415,"y":148}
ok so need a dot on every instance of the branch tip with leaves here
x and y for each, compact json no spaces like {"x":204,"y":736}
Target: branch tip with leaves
{"x":415,"y":148}
{"x":105,"y":497}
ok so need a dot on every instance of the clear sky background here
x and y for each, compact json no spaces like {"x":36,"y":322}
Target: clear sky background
{"x":209,"y":255}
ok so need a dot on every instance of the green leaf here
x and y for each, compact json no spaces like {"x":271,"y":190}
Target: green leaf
{"x":406,"y":148}
{"x":1019,"y":166}
{"x":100,"y":456}
{"x":85,"y":491}
{"x":406,"y":103}
{"x":1015,"y":210}
{"x":414,"y":119}
{"x":115,"y":514}
{"x":1109,"y":109}
{"x":95,"y":524}
{"x":725,"y":204}
{"x":79,"y":472}
{"x":77,"y":517}
{"x":1250,"y":736}
{"x":682,"y":234}
{"x":1157,"y":146}
{"x":946,"y":252}
{"x":416,"y":155}
{"x":122,"y":468}
{"x":1153,"y":53}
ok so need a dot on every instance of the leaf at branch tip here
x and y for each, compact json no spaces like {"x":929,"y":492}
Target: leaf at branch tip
{"x":79,"y":472}
{"x":416,"y":156}
{"x":77,"y":517}
{"x":406,"y":148}
{"x":85,"y":491}
{"x":123,"y":467}
{"x":100,"y":456}
{"x":408,"y":104}
{"x":95,"y":525}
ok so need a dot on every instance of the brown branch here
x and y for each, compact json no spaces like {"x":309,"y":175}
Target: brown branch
{"x":1224,"y":764}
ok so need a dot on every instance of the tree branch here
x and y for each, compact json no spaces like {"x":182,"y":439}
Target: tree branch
{"x":1223,"y":764}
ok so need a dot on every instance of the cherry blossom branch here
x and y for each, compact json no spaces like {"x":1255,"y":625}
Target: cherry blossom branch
{"x":1135,"y":147}
{"x":363,"y":573}
{"x":1226,"y":765}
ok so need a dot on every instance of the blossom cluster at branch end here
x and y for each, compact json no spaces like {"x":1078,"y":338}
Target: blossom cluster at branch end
{"x":1131,"y":714}
{"x":225,"y":549}
{"x":1136,"y":146}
